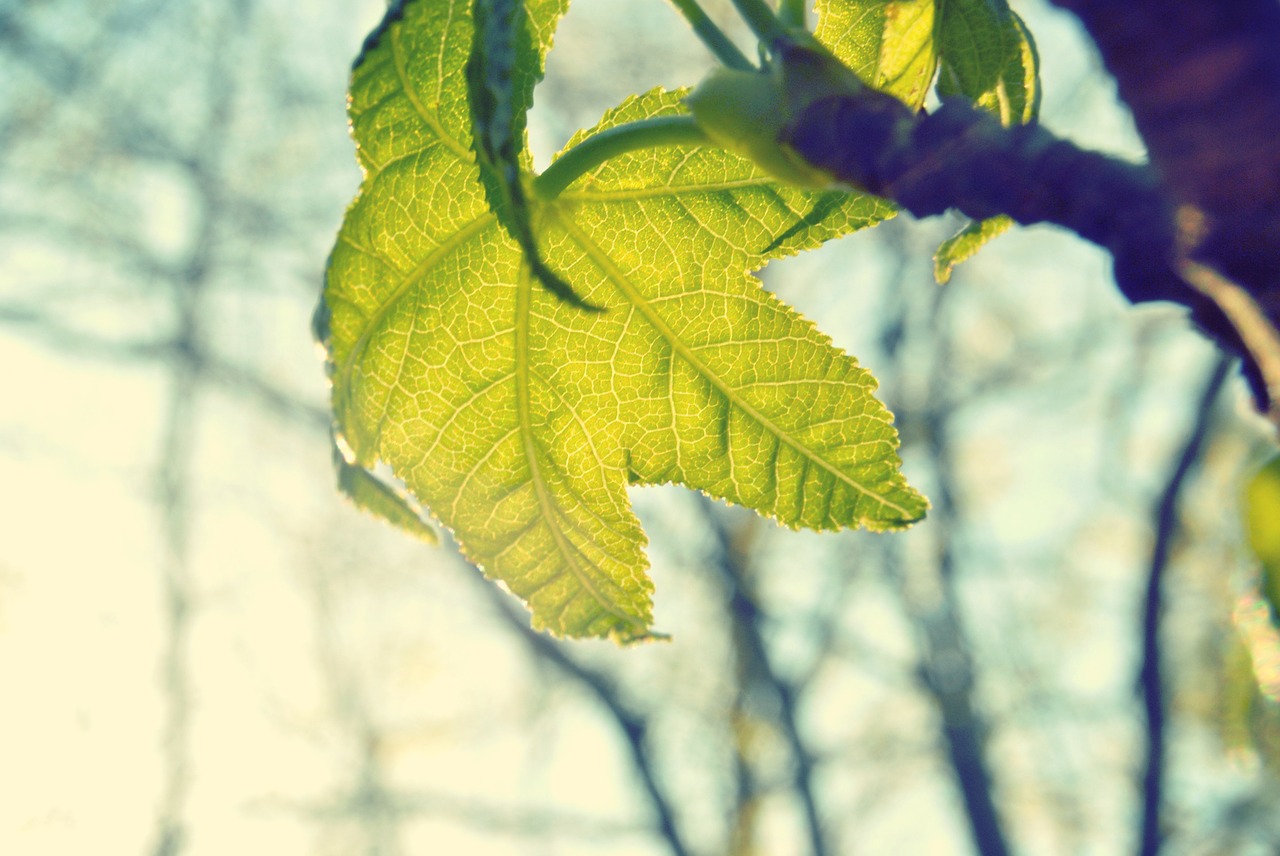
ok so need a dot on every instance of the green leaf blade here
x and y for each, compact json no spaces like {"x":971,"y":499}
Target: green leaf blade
{"x":399,"y":105}
{"x":730,"y":354}
{"x":890,"y":44}
{"x":989,"y":58}
{"x":423,"y":293}
{"x":517,"y":419}
{"x":966,"y":243}
{"x":500,"y":90}
{"x":377,"y":498}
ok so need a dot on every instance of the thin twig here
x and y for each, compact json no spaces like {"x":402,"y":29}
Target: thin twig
{"x":792,"y":12}
{"x":1150,"y":677}
{"x":1257,"y":332}
{"x":633,"y":726}
{"x":746,"y":617}
{"x":929,"y":595}
{"x":189,"y":297}
{"x":712,"y":36}
{"x":762,"y":20}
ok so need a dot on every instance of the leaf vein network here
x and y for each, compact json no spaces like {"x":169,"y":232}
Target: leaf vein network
{"x":430,"y":116}
{"x":467,"y":232}
{"x":632,"y":293}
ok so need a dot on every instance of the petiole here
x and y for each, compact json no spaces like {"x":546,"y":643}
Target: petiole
{"x":763,"y":21}
{"x":598,"y":148}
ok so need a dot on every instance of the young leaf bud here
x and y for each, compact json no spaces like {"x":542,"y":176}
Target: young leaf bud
{"x":743,"y":111}
{"x":749,"y":113}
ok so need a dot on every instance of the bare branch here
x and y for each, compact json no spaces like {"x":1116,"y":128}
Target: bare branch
{"x":1150,"y":678}
{"x":746,"y":619}
{"x":633,"y":726}
{"x":963,"y":158}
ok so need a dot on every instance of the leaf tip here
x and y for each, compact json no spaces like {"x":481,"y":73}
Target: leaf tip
{"x":553,"y":283}
{"x":942,"y":269}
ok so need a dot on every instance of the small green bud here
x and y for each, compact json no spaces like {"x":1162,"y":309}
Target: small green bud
{"x":747,"y":112}
{"x":742,"y":111}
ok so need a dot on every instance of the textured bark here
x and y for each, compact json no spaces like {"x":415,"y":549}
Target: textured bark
{"x":1203,"y":82}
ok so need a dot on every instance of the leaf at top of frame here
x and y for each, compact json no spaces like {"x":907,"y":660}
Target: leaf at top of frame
{"x":989,"y":58}
{"x":517,"y":419}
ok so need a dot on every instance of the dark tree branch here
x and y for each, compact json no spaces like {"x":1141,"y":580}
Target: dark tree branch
{"x":370,"y":799}
{"x":1150,"y":678}
{"x":189,"y":298}
{"x":960,"y":157}
{"x":1211,"y":194}
{"x":946,"y":669}
{"x":746,"y":619}
{"x":1203,"y":82}
{"x":634,"y":726}
{"x":209,"y":367}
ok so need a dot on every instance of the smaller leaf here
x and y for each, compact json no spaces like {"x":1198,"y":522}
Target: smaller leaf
{"x":501,"y":39}
{"x":747,"y":112}
{"x":988,"y":58}
{"x":1262,"y":523}
{"x":890,"y":44}
{"x":964,"y":244}
{"x":374,"y":496}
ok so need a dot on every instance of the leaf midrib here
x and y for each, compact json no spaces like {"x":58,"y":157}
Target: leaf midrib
{"x":664,"y":190}
{"x":681,"y":349}
{"x":524,"y":417}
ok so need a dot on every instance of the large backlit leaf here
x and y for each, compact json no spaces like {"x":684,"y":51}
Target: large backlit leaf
{"x":517,"y":419}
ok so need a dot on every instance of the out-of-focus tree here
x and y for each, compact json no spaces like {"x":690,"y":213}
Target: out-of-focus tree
{"x":204,"y":652}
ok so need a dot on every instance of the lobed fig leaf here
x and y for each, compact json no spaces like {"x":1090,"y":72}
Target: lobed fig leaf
{"x":517,"y":419}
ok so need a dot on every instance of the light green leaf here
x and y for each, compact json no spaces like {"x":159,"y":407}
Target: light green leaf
{"x":1262,"y":522}
{"x":890,"y":44}
{"x":519,"y":420}
{"x":964,"y":244}
{"x":989,"y":58}
{"x":381,"y":500}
